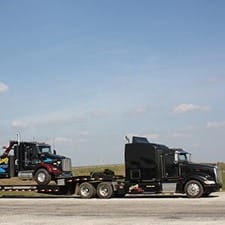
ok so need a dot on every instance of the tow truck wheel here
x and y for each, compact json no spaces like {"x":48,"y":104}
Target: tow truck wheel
{"x":87,"y":190}
{"x":42,"y":177}
{"x":104,"y":190}
{"x":193,"y":189}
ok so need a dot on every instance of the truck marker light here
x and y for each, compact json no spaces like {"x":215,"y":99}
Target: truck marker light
{"x":121,"y":186}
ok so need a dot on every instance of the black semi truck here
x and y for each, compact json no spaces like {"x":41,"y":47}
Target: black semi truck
{"x":149,"y":169}
{"x":155,"y":168}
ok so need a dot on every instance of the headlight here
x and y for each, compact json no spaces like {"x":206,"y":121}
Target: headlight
{"x":218,"y":175}
{"x":57,"y":163}
{"x":209,"y":182}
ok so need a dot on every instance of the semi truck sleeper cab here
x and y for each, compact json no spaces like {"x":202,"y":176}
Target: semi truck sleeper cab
{"x":155,"y":168}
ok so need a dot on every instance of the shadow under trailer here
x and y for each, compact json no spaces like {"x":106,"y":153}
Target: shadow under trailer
{"x":149,"y":169}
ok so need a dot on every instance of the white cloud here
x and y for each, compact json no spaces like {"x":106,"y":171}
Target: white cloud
{"x":216,"y":124}
{"x":19,"y":124}
{"x":62,"y":140}
{"x":57,"y":118}
{"x":84,"y":133}
{"x":152,"y":136}
{"x":180,"y":135}
{"x":3,"y":87}
{"x":140,"y":110}
{"x":137,"y":111}
{"x":184,"y":108}
{"x":66,"y":117}
{"x":98,"y":114}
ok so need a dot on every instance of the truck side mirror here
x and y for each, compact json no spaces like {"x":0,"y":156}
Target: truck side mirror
{"x":54,"y":152}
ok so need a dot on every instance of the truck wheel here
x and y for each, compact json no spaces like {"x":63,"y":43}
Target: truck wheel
{"x":194,"y":189}
{"x":104,"y":190}
{"x":42,"y":177}
{"x":87,"y":190}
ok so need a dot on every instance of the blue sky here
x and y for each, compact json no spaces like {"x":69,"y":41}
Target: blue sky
{"x":81,"y":75}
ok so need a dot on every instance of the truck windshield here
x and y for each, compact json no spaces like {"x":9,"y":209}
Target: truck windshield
{"x":184,"y":157}
{"x":45,"y":149}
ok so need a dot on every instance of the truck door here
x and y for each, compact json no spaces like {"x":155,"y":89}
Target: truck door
{"x":30,"y":157}
{"x":171,"y":169}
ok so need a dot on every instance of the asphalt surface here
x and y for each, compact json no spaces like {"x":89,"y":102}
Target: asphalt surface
{"x":151,"y":210}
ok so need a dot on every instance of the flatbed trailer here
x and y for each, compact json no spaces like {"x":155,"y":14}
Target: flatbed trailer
{"x":83,"y":186}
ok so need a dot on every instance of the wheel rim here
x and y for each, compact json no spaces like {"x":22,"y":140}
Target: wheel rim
{"x":104,"y":190}
{"x":41,"y":177}
{"x":193,"y":189}
{"x":85,"y":191}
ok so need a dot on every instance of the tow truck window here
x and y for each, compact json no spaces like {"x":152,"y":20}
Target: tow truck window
{"x":45,"y":149}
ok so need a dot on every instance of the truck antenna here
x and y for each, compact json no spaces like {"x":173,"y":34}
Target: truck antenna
{"x":18,"y":136}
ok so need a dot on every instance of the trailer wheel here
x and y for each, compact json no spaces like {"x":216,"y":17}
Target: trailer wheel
{"x":104,"y":190}
{"x":194,"y":189}
{"x":42,"y":177}
{"x":87,"y":190}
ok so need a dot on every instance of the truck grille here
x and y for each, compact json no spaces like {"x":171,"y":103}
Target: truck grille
{"x":66,"y":165}
{"x":218,"y":175}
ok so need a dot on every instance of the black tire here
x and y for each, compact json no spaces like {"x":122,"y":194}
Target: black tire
{"x":42,"y":177}
{"x":194,"y":189}
{"x":104,"y":190}
{"x":87,"y":190}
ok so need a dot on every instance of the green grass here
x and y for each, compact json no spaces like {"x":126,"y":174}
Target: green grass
{"x":223,"y":181}
{"x":222,"y":168}
{"x":86,"y":170}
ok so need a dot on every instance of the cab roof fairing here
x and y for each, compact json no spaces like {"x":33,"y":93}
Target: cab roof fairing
{"x":180,"y":151}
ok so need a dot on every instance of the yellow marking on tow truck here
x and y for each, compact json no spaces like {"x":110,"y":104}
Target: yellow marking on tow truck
{"x":4,"y":160}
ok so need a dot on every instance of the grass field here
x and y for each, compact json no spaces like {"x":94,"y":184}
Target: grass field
{"x":79,"y":171}
{"x":222,"y":168}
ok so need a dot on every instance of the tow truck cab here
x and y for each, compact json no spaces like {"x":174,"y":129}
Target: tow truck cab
{"x":155,"y":168}
{"x":33,"y":160}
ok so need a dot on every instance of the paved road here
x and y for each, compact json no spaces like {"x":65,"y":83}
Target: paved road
{"x":126,"y":211}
